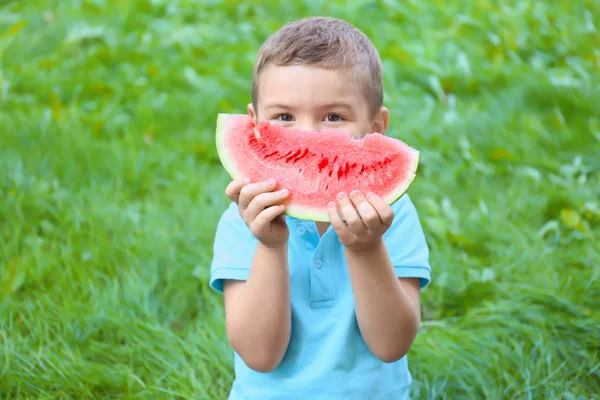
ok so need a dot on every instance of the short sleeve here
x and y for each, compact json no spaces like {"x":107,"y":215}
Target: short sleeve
{"x":233,"y":249}
{"x":406,"y":243}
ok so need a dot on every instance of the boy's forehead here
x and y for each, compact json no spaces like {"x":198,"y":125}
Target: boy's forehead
{"x":298,"y":85}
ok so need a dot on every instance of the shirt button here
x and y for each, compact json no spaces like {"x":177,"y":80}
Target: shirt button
{"x":318,"y":264}
{"x":301,"y":230}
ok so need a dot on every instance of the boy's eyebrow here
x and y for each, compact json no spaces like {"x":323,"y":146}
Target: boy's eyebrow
{"x":329,"y":105}
{"x":277,"y":105}
{"x":340,"y":104}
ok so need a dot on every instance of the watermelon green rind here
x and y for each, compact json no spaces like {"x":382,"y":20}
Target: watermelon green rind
{"x":222,"y":122}
{"x":294,"y":210}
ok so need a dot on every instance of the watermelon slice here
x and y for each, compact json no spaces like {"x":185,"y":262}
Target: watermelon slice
{"x":314,"y":166}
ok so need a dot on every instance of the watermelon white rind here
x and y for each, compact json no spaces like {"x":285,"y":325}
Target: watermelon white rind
{"x":314,"y":166}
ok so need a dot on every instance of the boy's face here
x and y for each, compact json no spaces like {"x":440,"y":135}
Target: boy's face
{"x":315,"y":99}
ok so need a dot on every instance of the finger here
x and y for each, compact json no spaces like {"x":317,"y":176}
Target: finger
{"x":385,"y":212}
{"x":349,"y":214}
{"x":338,"y":224}
{"x":264,"y":200}
{"x":366,"y":211}
{"x":252,"y":190}
{"x":260,"y":225}
{"x":233,"y":189}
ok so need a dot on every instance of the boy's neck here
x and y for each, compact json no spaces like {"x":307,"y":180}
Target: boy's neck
{"x":322,"y":227}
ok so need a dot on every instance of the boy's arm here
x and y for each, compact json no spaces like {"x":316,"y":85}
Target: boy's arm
{"x":258,"y":311}
{"x":387,"y":308}
{"x":258,"y":316}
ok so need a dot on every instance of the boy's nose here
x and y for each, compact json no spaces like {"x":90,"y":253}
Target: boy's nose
{"x":308,"y":125}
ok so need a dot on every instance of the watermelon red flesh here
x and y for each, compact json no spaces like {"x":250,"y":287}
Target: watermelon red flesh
{"x":314,"y":166}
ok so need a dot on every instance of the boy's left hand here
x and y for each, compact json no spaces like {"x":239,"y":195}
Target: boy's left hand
{"x":367,"y":219}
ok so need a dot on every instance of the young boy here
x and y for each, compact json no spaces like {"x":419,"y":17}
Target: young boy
{"x":315,"y":310}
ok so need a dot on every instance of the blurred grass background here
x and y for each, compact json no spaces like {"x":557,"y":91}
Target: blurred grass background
{"x":110,"y":189}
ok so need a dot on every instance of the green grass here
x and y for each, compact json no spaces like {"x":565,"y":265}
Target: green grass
{"x":110,"y":190}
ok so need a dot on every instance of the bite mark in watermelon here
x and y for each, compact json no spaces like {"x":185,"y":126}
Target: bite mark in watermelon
{"x":314,"y":166}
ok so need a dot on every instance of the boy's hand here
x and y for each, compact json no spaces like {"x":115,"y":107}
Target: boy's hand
{"x":367,"y":219}
{"x":260,"y":207}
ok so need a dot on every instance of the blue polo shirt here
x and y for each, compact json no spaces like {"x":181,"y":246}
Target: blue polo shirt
{"x":327,"y":358}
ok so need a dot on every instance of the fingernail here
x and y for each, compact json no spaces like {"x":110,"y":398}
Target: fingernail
{"x":370,"y":195}
{"x":284,"y":192}
{"x":341,"y":195}
{"x":246,"y":180}
{"x":331,"y":205}
{"x":355,"y":193}
{"x":271,"y":182}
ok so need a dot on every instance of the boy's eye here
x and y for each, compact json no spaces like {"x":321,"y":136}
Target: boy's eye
{"x":284,"y":117}
{"x":333,"y":117}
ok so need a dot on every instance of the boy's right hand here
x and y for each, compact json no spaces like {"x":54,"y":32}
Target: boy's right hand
{"x":260,"y":207}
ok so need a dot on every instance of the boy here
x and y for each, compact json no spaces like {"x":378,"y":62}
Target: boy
{"x":316,"y":310}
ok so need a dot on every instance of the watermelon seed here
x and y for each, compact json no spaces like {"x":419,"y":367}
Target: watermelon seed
{"x":296,"y":154}
{"x":303,"y":155}
{"x":346,"y":169}
{"x":287,"y":154}
{"x":324,"y":162}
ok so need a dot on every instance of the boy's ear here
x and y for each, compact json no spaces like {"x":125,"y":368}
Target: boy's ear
{"x":381,"y":120}
{"x":251,"y":112}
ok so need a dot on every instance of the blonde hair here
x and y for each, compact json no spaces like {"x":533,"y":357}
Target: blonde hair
{"x":327,"y":43}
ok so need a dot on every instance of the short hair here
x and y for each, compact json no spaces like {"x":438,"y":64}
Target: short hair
{"x":327,"y":43}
